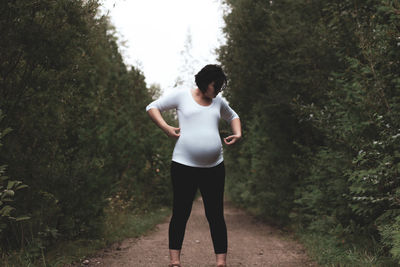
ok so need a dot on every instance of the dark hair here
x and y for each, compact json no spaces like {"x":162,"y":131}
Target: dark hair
{"x":208,"y":74}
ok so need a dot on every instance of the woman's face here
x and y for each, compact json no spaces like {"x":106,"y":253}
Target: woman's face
{"x":211,"y":91}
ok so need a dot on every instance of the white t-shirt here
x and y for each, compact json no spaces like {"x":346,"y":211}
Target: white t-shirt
{"x":199,"y":143}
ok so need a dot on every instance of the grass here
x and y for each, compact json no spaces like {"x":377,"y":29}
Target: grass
{"x":325,"y":249}
{"x":329,"y":251}
{"x":118,"y":226}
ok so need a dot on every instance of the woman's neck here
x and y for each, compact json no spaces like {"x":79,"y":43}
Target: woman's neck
{"x":201,"y":95}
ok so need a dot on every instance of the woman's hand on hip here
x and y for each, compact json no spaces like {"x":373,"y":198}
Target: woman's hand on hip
{"x":155,"y":115}
{"x":230,"y":140}
{"x":172,"y":132}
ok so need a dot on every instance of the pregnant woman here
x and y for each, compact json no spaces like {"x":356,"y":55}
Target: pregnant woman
{"x":197,"y":160}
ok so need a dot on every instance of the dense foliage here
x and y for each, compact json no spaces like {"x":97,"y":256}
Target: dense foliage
{"x":80,"y":135}
{"x":317,"y":86}
{"x":8,"y":188}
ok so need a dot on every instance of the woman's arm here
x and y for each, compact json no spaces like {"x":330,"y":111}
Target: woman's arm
{"x":237,"y":132}
{"x":155,"y":115}
{"x":166,"y":102}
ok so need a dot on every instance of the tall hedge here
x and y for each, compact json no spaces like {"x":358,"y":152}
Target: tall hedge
{"x":316,"y":84}
{"x":80,"y":134}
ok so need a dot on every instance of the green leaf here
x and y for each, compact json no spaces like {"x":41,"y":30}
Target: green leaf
{"x":21,"y":186}
{"x":22,"y":218}
{"x":6,"y":131}
{"x":11,"y":184}
{"x":6,"y":211}
{"x":8,"y":193}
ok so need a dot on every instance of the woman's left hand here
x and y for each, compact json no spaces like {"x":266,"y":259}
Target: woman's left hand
{"x":230,"y":140}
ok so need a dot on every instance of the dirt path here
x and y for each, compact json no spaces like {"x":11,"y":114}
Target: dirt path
{"x":250,"y":243}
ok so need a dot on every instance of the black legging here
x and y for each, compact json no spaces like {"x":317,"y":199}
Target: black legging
{"x":211,"y":182}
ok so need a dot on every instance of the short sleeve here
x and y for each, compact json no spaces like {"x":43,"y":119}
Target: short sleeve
{"x":227,"y":113}
{"x":166,"y":102}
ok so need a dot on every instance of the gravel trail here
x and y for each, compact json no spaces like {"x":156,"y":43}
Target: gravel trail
{"x":250,"y":243}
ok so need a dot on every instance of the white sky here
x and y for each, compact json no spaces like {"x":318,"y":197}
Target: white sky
{"x":154,"y":33}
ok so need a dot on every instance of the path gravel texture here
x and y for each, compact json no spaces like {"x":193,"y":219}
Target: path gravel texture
{"x":250,"y":243}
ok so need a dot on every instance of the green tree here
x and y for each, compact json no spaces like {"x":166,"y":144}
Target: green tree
{"x":8,"y":189}
{"x":80,"y":131}
{"x":316,"y":85}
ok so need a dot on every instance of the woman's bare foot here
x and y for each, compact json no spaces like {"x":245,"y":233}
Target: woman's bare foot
{"x":175,"y":255}
{"x":221,"y":259}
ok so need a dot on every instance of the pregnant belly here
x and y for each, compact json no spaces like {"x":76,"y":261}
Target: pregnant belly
{"x":200,"y":148}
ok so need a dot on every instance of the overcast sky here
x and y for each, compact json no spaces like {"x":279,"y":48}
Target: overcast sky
{"x":154,"y":33}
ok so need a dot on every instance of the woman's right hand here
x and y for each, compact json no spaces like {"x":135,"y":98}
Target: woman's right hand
{"x":155,"y":115}
{"x":172,"y":132}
